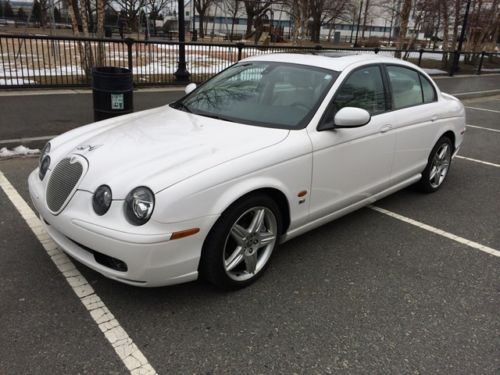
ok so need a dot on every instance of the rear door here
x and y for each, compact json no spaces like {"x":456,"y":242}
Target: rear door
{"x":416,"y":109}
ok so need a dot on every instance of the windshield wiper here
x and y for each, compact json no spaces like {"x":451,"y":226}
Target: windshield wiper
{"x":217,"y":117}
{"x":181,"y":106}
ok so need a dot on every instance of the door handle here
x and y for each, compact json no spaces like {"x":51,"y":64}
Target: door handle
{"x":385,"y":128}
{"x":434,"y":118}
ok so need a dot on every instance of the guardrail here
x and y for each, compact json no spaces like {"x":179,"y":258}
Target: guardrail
{"x":28,"y":61}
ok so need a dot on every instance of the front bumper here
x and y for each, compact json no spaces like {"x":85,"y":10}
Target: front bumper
{"x":152,"y":259}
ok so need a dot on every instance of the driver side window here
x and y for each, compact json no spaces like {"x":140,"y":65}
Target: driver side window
{"x":364,"y":89}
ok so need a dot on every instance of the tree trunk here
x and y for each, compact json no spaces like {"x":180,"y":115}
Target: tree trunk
{"x":72,"y":17}
{"x":405,"y":15}
{"x":201,"y":20}
{"x":87,"y":58}
{"x":100,"y":32}
{"x":365,"y":15}
{"x":250,"y":17}
{"x":446,"y":25}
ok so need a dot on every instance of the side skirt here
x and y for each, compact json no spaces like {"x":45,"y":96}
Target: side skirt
{"x":346,"y":210}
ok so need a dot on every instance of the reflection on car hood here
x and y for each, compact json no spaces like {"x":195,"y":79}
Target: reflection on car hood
{"x":164,"y":146}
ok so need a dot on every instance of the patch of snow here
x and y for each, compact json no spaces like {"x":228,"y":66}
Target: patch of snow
{"x":18,"y":151}
{"x":434,"y":71}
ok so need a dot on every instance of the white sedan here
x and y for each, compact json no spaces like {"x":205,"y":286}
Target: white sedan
{"x":270,"y":148}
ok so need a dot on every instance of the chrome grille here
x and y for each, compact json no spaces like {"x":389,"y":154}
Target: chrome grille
{"x":62,"y":182}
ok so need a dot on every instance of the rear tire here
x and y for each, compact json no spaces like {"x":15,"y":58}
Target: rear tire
{"x":438,"y":166}
{"x":239,"y":246}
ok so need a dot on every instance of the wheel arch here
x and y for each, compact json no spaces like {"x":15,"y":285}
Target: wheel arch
{"x":451,"y":135}
{"x":276,"y":195}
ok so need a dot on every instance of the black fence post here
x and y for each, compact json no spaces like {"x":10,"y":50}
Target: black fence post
{"x":129,"y":42}
{"x":240,"y":49}
{"x":420,"y":53}
{"x":376,"y":50}
{"x":318,"y":47}
{"x":481,"y":62}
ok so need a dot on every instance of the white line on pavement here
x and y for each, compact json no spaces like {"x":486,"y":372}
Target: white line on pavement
{"x":478,"y":161}
{"x":483,"y":128}
{"x":437,"y":231}
{"x":128,"y":352}
{"x":488,"y":92}
{"x":482,"y":109}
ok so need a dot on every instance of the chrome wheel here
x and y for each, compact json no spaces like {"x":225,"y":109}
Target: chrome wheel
{"x":249,"y":244}
{"x":440,"y":165}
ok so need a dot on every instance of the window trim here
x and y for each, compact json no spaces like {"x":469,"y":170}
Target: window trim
{"x":388,"y":103}
{"x":422,"y":77}
{"x":419,"y":74}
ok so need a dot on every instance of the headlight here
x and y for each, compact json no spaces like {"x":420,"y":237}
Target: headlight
{"x":44,"y":161}
{"x":101,"y":201}
{"x":44,"y":166}
{"x":139,"y":205}
{"x":45,"y":151}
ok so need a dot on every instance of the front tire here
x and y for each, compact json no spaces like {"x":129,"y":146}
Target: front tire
{"x":438,"y":166}
{"x":238,"y":248}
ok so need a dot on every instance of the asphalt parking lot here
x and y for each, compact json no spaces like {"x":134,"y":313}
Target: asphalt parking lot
{"x":368,"y":293}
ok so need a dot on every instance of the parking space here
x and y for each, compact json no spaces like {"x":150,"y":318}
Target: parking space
{"x":367,"y":293}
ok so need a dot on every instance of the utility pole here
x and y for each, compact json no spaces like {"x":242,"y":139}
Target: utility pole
{"x":357,"y":27}
{"x":181,"y":75}
{"x":456,"y":54}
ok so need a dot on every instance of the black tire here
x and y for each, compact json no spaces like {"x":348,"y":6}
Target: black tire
{"x":212,"y":260}
{"x":427,"y":183}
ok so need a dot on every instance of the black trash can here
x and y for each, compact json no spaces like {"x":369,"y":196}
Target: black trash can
{"x":113,"y":92}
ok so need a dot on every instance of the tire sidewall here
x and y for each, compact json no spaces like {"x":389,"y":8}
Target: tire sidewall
{"x":212,"y":260}
{"x":425,"y":182}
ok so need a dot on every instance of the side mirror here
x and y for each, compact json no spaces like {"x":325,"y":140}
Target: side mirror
{"x":351,"y":117}
{"x":189,"y":88}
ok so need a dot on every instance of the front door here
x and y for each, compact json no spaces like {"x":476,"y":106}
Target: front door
{"x":350,"y":164}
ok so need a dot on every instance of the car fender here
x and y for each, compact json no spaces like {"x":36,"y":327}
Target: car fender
{"x":213,"y":191}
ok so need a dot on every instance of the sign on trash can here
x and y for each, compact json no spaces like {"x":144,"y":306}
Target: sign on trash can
{"x":112,"y":90}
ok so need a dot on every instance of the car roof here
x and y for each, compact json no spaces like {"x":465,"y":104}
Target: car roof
{"x":328,"y":60}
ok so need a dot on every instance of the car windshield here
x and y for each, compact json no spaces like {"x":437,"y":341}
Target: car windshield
{"x":267,"y":94}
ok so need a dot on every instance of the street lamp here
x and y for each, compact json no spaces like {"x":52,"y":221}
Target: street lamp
{"x":181,"y":75}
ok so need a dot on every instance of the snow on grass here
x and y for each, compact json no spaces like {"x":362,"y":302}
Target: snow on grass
{"x":15,"y":81}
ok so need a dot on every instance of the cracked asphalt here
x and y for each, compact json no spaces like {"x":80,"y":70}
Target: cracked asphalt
{"x":364,"y":294}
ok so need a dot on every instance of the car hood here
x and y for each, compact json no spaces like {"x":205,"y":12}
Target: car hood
{"x":164,"y":146}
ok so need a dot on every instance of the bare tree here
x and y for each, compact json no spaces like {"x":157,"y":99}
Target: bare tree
{"x":323,"y":11}
{"x":365,"y":16}
{"x":233,"y":7}
{"x":254,"y":9}
{"x":132,"y":9}
{"x":202,"y":7}
{"x":405,"y":17}
{"x":100,"y":32}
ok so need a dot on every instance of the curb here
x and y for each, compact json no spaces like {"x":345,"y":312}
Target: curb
{"x":14,"y":92}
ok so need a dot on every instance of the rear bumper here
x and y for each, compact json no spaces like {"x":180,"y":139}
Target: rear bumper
{"x":152,"y":259}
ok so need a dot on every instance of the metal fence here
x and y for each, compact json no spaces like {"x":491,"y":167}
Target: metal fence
{"x":42,"y":61}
